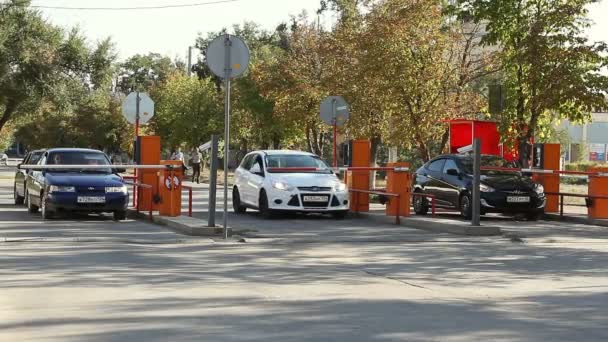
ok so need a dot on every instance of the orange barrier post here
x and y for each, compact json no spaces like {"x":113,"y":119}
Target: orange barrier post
{"x":551,"y":158}
{"x":598,"y":186}
{"x":150,"y":155}
{"x":171,"y":189}
{"x":359,"y":180}
{"x":399,"y":183}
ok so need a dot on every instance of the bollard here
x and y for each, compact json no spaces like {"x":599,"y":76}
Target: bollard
{"x":399,"y":183}
{"x":598,"y":186}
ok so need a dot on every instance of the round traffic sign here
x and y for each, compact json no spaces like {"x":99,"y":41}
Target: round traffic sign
{"x":146,"y":108}
{"x":334,"y":109}
{"x":217,"y":52}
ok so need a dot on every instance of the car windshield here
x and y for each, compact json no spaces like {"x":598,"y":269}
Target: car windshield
{"x":491,"y":161}
{"x":296,"y":161}
{"x":79,"y":158}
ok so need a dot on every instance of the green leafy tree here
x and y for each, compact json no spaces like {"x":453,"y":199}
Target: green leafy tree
{"x":550,"y":68}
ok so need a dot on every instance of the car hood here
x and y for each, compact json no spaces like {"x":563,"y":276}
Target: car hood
{"x":508,"y":182}
{"x":84,"y":179}
{"x":307,"y":179}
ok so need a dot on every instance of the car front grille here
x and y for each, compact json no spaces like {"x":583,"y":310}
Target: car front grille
{"x":93,"y":190}
{"x":314,"y":188}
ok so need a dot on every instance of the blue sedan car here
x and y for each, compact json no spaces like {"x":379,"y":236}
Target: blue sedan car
{"x":86,"y":190}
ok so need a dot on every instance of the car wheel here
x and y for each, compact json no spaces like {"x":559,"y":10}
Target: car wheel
{"x":263,"y":205}
{"x":421,"y":205}
{"x":238,"y":207}
{"x":466,"y":207}
{"x":44,"y":209}
{"x":31,"y":208}
{"x":339,"y":215}
{"x":120,"y":215}
{"x":18,"y":199}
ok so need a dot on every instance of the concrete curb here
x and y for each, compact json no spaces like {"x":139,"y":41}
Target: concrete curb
{"x":580,"y":220}
{"x":182,"y":224}
{"x":437,"y":225}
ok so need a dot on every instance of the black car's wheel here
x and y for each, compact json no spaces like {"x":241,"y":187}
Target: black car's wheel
{"x":238,"y":207}
{"x":18,"y":199}
{"x":339,"y":215}
{"x":31,"y":208}
{"x":120,"y":215}
{"x":263,"y":205}
{"x":44,"y":207}
{"x":421,"y":205}
{"x":466,"y":206}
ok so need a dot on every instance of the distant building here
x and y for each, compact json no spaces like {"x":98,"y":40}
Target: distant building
{"x":591,"y":139}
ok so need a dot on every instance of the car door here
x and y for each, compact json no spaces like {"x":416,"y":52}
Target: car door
{"x":35,"y":181}
{"x":451,"y":182}
{"x":241,"y":177}
{"x":255,"y":179}
{"x":20,"y":177}
{"x":434,"y":173}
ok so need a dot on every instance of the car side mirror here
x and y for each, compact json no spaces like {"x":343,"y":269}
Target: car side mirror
{"x":453,"y":172}
{"x":19,"y":166}
{"x":119,"y":170}
{"x":259,"y":173}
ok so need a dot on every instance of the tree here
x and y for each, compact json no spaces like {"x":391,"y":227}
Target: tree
{"x":550,"y":68}
{"x":29,"y":55}
{"x":188,"y":111}
{"x":145,"y":72}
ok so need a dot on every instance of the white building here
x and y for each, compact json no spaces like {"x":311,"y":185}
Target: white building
{"x":593,"y":136}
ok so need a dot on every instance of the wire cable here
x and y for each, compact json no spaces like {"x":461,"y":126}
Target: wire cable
{"x":198,"y":4}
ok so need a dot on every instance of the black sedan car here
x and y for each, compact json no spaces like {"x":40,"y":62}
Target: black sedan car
{"x":90,"y":190}
{"x":449,"y":178}
{"x":21,"y":175}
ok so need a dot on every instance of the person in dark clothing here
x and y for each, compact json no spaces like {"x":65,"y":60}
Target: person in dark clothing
{"x":195,"y":160}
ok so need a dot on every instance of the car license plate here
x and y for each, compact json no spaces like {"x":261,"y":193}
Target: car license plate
{"x":518,"y":199}
{"x":91,"y":199}
{"x":315,"y":198}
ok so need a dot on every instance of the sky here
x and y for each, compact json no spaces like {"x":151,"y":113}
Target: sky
{"x":170,"y":31}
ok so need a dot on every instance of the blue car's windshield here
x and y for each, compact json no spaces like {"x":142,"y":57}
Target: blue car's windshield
{"x":79,"y":158}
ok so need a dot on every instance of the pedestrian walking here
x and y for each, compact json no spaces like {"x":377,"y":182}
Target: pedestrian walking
{"x":195,"y":161}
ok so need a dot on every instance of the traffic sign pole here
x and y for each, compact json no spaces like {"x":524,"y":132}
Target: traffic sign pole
{"x":333,"y":109}
{"x":137,"y":102}
{"x":227,"y":76}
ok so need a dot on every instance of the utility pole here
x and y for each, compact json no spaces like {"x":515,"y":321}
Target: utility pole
{"x":189,"y":61}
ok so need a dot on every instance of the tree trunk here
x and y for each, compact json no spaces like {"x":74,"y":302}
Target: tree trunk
{"x":375,"y":144}
{"x":444,"y":140}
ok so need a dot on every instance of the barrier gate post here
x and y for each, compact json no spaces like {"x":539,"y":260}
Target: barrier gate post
{"x":359,"y":180}
{"x":598,"y":186}
{"x":171,"y":189}
{"x":399,"y":183}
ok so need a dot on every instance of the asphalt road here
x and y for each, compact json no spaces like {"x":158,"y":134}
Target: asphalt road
{"x":91,"y":279}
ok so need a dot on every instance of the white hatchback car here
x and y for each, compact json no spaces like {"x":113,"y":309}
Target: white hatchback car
{"x":288,"y":181}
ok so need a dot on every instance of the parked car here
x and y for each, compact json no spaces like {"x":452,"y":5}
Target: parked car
{"x":31,"y":158}
{"x":261,"y":184}
{"x":76,"y":190}
{"x":449,"y":178}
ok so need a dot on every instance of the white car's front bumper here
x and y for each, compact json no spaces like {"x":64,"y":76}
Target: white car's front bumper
{"x":294,"y":200}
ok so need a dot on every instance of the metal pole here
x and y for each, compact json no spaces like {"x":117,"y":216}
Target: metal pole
{"x":189,"y":61}
{"x":475,"y":220}
{"x":213,"y":181}
{"x":333,"y":113}
{"x":227,"y":74}
{"x":135,"y":193}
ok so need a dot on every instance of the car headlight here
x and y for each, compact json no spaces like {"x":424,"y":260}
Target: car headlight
{"x":539,"y":189}
{"x":485,"y":188}
{"x":61,"y":188}
{"x":280,"y":185}
{"x":115,"y":189}
{"x":340,"y":187}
